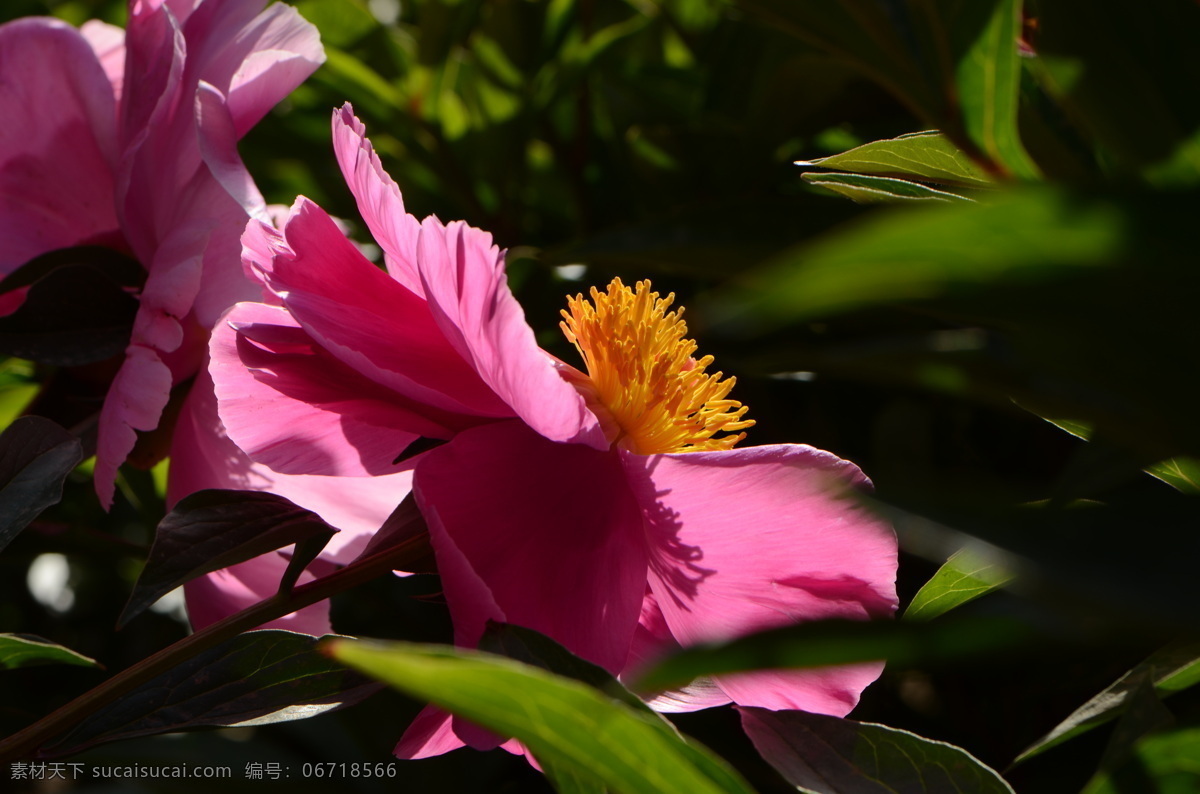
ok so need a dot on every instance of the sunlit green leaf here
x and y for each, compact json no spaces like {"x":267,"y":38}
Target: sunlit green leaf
{"x":26,"y":650}
{"x":827,"y":755}
{"x":921,"y":156}
{"x":1168,"y":763}
{"x":967,"y":575}
{"x":569,"y":724}
{"x":879,"y":189}
{"x":1183,"y":474}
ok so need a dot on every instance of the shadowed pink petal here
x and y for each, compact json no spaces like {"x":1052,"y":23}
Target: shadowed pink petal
{"x":548,"y":531}
{"x":651,"y":642}
{"x":135,"y":402}
{"x":368,"y":320}
{"x":221,"y":593}
{"x":378,"y":198}
{"x":463,"y":275}
{"x":429,"y":734}
{"x":57,"y":142}
{"x":203,"y":457}
{"x":293,"y":407}
{"x":750,"y":539}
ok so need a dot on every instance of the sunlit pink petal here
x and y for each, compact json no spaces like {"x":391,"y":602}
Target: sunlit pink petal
{"x":548,"y":531}
{"x":108,"y":41}
{"x":378,"y":198}
{"x":750,"y":539}
{"x":221,"y":593}
{"x":651,"y":642}
{"x":463,"y":275}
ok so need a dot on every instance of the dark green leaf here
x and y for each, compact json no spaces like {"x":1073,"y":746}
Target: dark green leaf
{"x":834,"y":642}
{"x":213,"y":529}
{"x":563,"y":722}
{"x":36,"y":455}
{"x":78,"y":308}
{"x":967,"y":575}
{"x":256,"y":678}
{"x":828,"y":755}
{"x":1128,"y":79}
{"x":920,"y":156}
{"x":1170,"y":670}
{"x":26,"y":650}
{"x":879,"y":189}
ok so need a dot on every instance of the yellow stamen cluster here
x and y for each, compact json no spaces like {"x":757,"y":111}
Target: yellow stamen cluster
{"x":643,"y":371}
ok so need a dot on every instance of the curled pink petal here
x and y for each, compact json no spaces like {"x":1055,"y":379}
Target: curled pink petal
{"x":378,"y":198}
{"x":135,"y":401}
{"x":751,"y":539}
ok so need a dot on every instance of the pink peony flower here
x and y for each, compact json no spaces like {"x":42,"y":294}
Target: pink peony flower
{"x":129,"y":139}
{"x":608,"y":509}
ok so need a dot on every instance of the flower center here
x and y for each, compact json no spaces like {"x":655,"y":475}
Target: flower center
{"x":643,"y":371}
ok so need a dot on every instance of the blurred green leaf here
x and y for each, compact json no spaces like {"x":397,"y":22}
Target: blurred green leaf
{"x":1183,"y":474}
{"x":358,"y":82}
{"x":1169,"y":670}
{"x":26,"y":650}
{"x":827,"y":755}
{"x":569,"y":724}
{"x":341,"y":22}
{"x":1168,"y":763}
{"x":967,"y":575}
{"x":213,"y":529}
{"x":879,"y":189}
{"x":256,"y":678}
{"x":36,"y":455}
{"x":834,"y":642}
{"x":922,"y":156}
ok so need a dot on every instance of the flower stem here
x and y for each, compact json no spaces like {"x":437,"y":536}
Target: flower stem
{"x":28,"y":742}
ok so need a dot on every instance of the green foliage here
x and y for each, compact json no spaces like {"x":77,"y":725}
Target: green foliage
{"x":22,"y":650}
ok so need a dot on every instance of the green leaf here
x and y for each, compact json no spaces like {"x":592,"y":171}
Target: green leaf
{"x":256,"y":678}
{"x":214,"y":529}
{"x":834,"y":642}
{"x":1183,"y":474}
{"x":564,"y":723}
{"x":988,"y":79}
{"x":828,"y":755}
{"x":922,"y":156}
{"x":26,"y":650}
{"x":36,"y":455}
{"x":1170,"y":670}
{"x":1165,"y":763}
{"x":967,"y":575}
{"x":879,"y":189}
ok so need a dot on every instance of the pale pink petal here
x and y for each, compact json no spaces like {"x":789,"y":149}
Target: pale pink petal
{"x":218,"y":147}
{"x":463,"y":276}
{"x":751,"y":539}
{"x":291,"y":406}
{"x":135,"y":401}
{"x":202,"y":456}
{"x":221,"y":593}
{"x":368,"y":320}
{"x":108,"y":42}
{"x":57,"y":142}
{"x":378,"y":198}
{"x":253,"y":60}
{"x":540,"y":534}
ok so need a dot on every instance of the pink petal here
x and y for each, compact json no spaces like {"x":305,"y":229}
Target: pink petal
{"x":463,"y":276}
{"x":653,"y":640}
{"x":540,"y":534}
{"x":755,"y":538}
{"x":135,"y":401}
{"x":108,"y":42}
{"x":368,"y":320}
{"x":293,"y":407}
{"x":219,"y":594}
{"x":378,"y":198}
{"x":431,"y":733}
{"x":57,"y":142}
{"x":202,"y":456}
